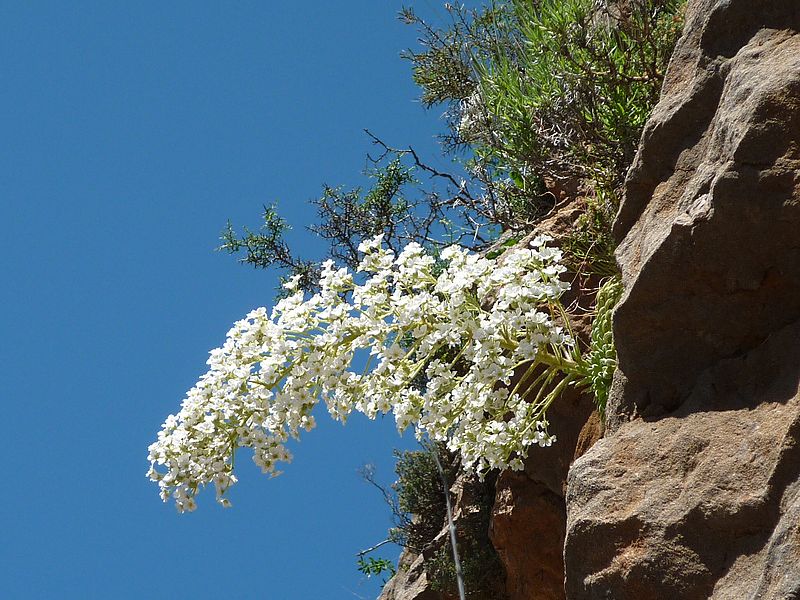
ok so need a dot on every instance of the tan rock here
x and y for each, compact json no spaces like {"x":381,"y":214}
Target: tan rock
{"x":694,"y":491}
{"x":710,"y":219}
{"x":704,"y":503}
{"x":528,"y":527}
{"x":410,"y":582}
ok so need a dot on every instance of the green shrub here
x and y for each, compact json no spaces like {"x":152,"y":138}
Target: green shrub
{"x":420,"y":496}
{"x":572,"y":99}
{"x":550,"y":91}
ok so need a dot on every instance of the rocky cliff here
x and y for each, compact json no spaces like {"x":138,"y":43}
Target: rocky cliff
{"x":694,"y":490}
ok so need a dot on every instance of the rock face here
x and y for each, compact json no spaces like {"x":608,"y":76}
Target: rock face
{"x":709,"y":225}
{"x":411,"y":581}
{"x":528,"y":533}
{"x":694,"y":493}
{"x":702,"y":503}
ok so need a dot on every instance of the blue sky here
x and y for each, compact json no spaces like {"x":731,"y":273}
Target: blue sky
{"x":132,"y":131}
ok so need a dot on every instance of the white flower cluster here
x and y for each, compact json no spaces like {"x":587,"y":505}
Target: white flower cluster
{"x":448,"y":343}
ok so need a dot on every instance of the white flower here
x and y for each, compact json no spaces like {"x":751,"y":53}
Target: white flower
{"x":292,"y":283}
{"x":465,"y":331}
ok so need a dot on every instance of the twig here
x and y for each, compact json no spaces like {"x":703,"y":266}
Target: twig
{"x":451,"y":526}
{"x":375,"y":547}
